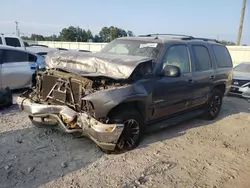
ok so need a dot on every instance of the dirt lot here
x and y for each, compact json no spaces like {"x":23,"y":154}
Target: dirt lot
{"x":194,"y":154}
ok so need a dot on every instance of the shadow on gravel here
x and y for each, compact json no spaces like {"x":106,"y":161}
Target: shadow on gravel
{"x":231,"y":105}
{"x":31,"y":157}
{"x":13,"y":108}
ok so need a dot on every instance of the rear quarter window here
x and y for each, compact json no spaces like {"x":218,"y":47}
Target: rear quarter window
{"x":32,"y":58}
{"x":222,"y":56}
{"x":12,"y":42}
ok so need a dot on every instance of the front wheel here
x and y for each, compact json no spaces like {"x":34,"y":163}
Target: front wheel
{"x":133,"y":129}
{"x":213,"y":106}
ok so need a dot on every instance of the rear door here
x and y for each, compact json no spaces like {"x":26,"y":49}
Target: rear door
{"x":203,"y":73}
{"x":17,"y":69}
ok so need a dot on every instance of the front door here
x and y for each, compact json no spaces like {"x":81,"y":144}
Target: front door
{"x":172,"y":95}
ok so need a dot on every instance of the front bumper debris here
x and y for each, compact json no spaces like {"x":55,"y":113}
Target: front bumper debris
{"x":58,"y":116}
{"x":243,"y":91}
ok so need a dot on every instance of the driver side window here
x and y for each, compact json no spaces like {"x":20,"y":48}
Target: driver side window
{"x":177,"y":55}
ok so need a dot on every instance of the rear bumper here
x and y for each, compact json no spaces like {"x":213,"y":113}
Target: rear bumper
{"x":59,"y":116}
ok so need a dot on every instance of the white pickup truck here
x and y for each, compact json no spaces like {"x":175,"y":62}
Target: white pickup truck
{"x":18,"y":42}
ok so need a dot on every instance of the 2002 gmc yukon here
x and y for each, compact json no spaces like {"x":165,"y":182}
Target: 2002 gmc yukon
{"x":132,"y":83}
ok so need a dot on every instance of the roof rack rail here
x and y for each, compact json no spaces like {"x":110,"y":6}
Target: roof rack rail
{"x":179,"y":36}
{"x":170,"y":35}
{"x":206,"y":39}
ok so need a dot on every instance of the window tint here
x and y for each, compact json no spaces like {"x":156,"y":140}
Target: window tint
{"x":201,"y":58}
{"x":222,"y":56}
{"x":12,"y":56}
{"x":12,"y":42}
{"x":178,"y":55}
{"x":1,"y":41}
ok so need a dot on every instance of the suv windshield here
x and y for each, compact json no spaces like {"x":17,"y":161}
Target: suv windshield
{"x":133,"y":47}
{"x":243,"y":67}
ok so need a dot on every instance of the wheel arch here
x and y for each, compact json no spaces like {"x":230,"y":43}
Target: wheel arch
{"x":138,"y":105}
{"x":221,"y":87}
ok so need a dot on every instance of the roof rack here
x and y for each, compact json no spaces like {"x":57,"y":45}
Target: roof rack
{"x":207,"y":40}
{"x":179,"y":36}
{"x":167,"y":35}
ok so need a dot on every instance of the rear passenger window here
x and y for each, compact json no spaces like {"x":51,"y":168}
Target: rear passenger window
{"x":222,"y":56}
{"x":12,"y":56}
{"x":1,"y":41}
{"x":201,"y":58}
{"x":12,"y":42}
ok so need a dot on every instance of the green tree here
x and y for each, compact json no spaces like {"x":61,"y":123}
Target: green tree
{"x":70,"y":34}
{"x":52,"y":38}
{"x":97,"y":38}
{"x":227,"y":43}
{"x":37,"y":37}
{"x":130,"y":33}
{"x":104,"y":34}
{"x":78,"y":34}
{"x":89,"y":35}
{"x":75,"y":34}
{"x":111,"y":33}
{"x":25,"y":38}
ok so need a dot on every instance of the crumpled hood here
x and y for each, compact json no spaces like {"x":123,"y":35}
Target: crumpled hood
{"x":95,"y":64}
{"x":241,"y":75}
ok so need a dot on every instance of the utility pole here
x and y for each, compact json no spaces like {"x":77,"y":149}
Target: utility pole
{"x":242,"y":15}
{"x":17,"y":29}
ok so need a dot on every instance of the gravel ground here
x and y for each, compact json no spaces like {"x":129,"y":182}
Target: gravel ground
{"x":193,"y":154}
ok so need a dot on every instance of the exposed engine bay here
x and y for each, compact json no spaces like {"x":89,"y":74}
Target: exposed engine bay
{"x":63,"y":88}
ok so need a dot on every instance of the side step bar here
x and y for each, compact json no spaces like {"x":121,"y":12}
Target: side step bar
{"x":173,"y":121}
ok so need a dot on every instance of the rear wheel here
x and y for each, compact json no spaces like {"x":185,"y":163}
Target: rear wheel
{"x":133,"y":129}
{"x":213,"y":106}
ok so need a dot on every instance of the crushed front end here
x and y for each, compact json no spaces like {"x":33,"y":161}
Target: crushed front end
{"x":58,"y":102}
{"x":241,"y":88}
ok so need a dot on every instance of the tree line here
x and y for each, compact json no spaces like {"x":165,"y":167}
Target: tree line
{"x":77,"y":34}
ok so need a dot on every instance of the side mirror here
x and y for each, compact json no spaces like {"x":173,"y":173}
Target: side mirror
{"x":171,"y":71}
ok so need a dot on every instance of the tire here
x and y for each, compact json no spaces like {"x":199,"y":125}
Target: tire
{"x":133,"y":130}
{"x":213,"y":106}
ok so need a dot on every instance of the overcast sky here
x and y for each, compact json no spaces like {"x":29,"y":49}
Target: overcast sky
{"x":203,"y":18}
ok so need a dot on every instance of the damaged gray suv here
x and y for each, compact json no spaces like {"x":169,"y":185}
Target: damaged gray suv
{"x":132,"y":85}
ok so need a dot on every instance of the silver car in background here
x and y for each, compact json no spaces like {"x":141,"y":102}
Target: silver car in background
{"x":17,"y":67}
{"x":241,"y":80}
